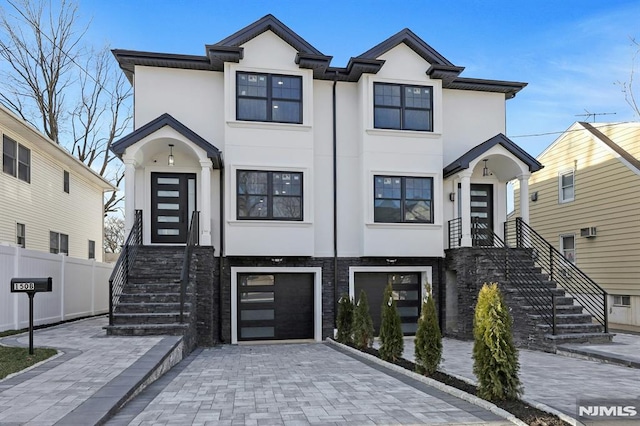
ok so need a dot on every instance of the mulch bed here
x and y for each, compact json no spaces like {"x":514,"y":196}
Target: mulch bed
{"x":523,"y":411}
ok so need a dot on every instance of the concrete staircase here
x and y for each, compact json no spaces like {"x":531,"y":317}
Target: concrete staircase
{"x":573,"y":323}
{"x":150,"y":301}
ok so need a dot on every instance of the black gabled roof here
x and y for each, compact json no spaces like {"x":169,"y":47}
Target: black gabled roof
{"x":165,"y":119}
{"x":308,"y":57}
{"x":409,"y":38}
{"x":462,"y":163}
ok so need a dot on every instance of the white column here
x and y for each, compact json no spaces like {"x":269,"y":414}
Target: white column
{"x":205,"y":203}
{"x":524,"y":196}
{"x":130,"y":194}
{"x":465,"y":207}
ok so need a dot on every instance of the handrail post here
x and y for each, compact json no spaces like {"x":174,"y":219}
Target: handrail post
{"x":110,"y":302}
{"x":505,"y":230}
{"x":553,"y":312}
{"x":606,"y":314}
{"x":551,"y":263}
{"x":518,"y":232}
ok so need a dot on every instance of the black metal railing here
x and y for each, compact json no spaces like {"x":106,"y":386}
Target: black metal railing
{"x":559,"y":269}
{"x":528,"y":284}
{"x":120,"y":274}
{"x":192,"y":240}
{"x":455,"y":232}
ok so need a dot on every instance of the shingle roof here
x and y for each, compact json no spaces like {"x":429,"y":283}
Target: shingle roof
{"x":463,"y":161}
{"x":121,"y":145}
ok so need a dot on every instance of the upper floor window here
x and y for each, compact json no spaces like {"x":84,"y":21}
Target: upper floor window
{"x":403,"y":199}
{"x":16,"y":159}
{"x":566,"y":186}
{"x":21,"y":235}
{"x":269,"y":97}
{"x":402,"y":107}
{"x":269,"y":195}
{"x":65,"y":181}
{"x":568,"y":247}
{"x":58,"y":243}
{"x":92,"y":249}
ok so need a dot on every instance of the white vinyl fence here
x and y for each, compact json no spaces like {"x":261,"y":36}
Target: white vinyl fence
{"x":80,"y":287}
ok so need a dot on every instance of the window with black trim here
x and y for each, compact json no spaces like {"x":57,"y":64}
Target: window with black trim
{"x":268,"y":97}
{"x":65,"y":181}
{"x":399,"y":199}
{"x":402,"y":107}
{"x":92,"y":249}
{"x":566,"y":184}
{"x":58,"y":243}
{"x":16,"y":159}
{"x":21,"y":235}
{"x":269,"y":195}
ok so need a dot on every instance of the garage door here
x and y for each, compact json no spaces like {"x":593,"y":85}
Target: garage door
{"x":275,"y":306}
{"x":406,"y":292}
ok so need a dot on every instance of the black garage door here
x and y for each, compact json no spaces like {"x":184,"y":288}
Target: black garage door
{"x":275,"y":306}
{"x":406,"y":292}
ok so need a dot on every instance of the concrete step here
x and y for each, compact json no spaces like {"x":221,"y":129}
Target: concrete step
{"x":147,"y":330}
{"x":560,"y":339}
{"x":151,"y":288}
{"x":152,"y":307}
{"x":168,"y":297}
{"x":560,"y":300}
{"x":574,"y":318}
{"x":560,"y":309}
{"x":164,"y":318}
{"x":562,"y":329}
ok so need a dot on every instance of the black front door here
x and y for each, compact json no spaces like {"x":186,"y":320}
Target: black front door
{"x":482,"y":214}
{"x":173,"y":199}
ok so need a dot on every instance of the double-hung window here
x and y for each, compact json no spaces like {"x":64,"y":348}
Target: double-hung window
{"x":21,"y":235}
{"x":16,"y":159}
{"x":58,"y":243}
{"x":619,"y":300}
{"x":566,"y":182}
{"x":92,"y":249}
{"x":568,"y":247}
{"x":65,"y":181}
{"x":402,"y":107}
{"x":269,"y":97}
{"x":269,"y":195}
{"x":400,"y":199}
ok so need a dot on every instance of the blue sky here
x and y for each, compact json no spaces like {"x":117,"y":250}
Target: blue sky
{"x":572,"y":53}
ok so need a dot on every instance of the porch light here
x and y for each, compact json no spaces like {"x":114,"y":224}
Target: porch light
{"x":170,"y":160}
{"x":485,"y":170}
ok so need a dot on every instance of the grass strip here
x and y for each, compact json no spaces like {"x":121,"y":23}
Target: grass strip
{"x":13,"y":360}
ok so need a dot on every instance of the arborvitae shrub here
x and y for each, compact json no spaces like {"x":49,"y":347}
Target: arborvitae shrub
{"x":362,"y":323}
{"x":495,"y":357}
{"x":345,"y":320}
{"x":428,"y":341}
{"x":391,"y":343}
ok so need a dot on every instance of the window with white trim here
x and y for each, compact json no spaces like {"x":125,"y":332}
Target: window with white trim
{"x":619,"y":300}
{"x":402,"y":107}
{"x":21,"y":235}
{"x":65,"y":181}
{"x":399,"y":199}
{"x":269,"y":195}
{"x":568,"y":247}
{"x":268,"y":97}
{"x":58,"y":243}
{"x":16,"y":159}
{"x":92,"y":249}
{"x":566,"y":183}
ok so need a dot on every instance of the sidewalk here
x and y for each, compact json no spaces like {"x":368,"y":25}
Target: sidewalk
{"x":91,"y":376}
{"x":556,"y":380}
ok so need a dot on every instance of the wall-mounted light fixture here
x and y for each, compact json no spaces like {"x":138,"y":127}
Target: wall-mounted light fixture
{"x":485,"y":170}
{"x":534,"y":196}
{"x":452,"y":196}
{"x":170,"y":159}
{"x":276,"y":260}
{"x":391,"y":261}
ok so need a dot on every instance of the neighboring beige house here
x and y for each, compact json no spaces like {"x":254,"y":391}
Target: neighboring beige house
{"x":51,"y":201}
{"x":587,"y":200}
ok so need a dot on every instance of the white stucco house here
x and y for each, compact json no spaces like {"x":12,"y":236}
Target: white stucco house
{"x":313,"y":180}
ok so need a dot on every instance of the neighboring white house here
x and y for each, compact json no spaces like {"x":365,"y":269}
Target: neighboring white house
{"x":51,"y":201}
{"x":334,"y":180}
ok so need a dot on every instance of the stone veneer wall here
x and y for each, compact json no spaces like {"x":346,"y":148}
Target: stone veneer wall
{"x":327,"y":265}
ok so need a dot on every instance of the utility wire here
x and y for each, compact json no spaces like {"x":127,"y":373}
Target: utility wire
{"x":571,"y":131}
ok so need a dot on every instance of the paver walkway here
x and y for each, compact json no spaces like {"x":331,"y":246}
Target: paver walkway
{"x":555,"y":380}
{"x":295,"y":384}
{"x":46,"y":394}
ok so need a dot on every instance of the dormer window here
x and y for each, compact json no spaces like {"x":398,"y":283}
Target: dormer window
{"x":402,"y":107}
{"x":269,"y":97}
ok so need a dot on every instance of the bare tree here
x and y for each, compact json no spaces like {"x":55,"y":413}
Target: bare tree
{"x":48,"y":71}
{"x":113,"y":234}
{"x":628,"y":88}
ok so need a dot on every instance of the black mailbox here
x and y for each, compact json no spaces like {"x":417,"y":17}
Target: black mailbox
{"x":25,"y":285}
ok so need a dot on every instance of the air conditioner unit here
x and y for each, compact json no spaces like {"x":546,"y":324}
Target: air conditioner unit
{"x":589,"y":232}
